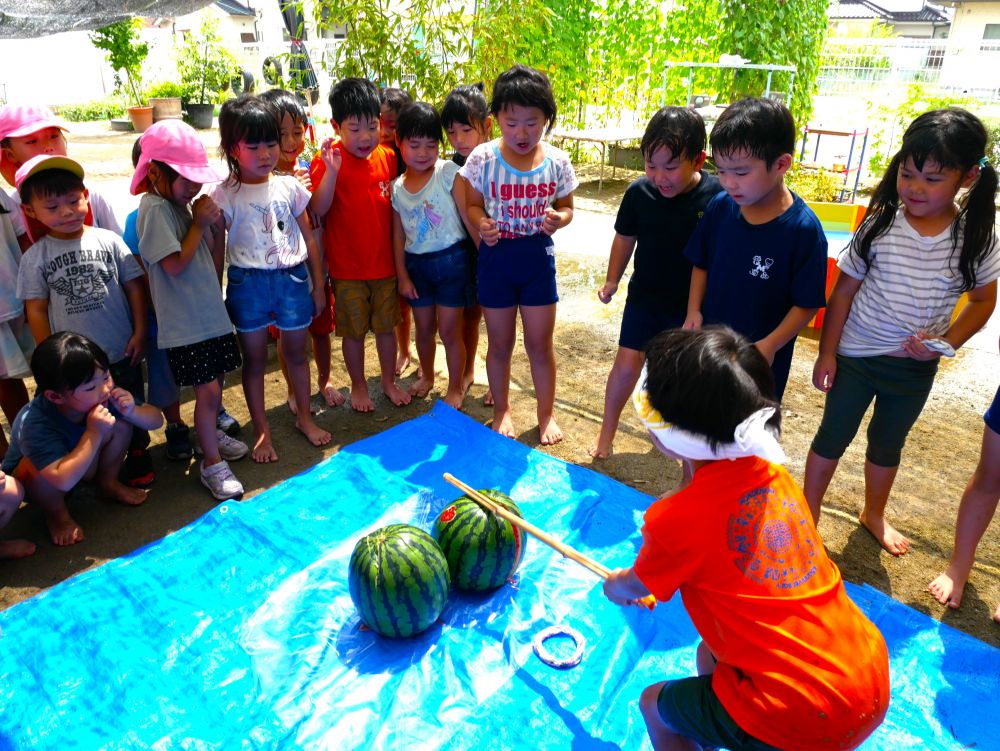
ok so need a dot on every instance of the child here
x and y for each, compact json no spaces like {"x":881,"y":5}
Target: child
{"x":979,"y":504}
{"x":16,"y":343}
{"x":657,"y":215}
{"x":352,"y":180}
{"x":786,"y":659}
{"x":273,"y":257}
{"x":80,"y":278}
{"x":902,"y":274}
{"x":11,"y":495}
{"x":391,"y":103}
{"x":520,"y":192}
{"x":185,"y":266}
{"x":76,"y":428}
{"x":27,"y":131}
{"x":467,"y":122}
{"x":292,"y":126}
{"x":434,"y":272}
{"x":759,"y":254}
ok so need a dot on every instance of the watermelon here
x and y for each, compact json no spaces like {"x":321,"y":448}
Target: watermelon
{"x":398,"y":579}
{"x":483,"y":549}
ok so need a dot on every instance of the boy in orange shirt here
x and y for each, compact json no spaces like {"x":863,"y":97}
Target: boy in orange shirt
{"x":787,"y":660}
{"x":352,"y":179}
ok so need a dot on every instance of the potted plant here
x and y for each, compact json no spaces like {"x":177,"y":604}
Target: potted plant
{"x":206,"y":69}
{"x":165,"y":99}
{"x":125,"y":53}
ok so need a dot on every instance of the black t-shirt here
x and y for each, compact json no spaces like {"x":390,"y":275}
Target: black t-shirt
{"x":458,"y":159}
{"x":662,"y":226}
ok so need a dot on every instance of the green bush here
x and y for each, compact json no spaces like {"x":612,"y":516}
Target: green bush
{"x":814,"y":184}
{"x":101,"y":109}
{"x":164,"y":89}
{"x":993,"y":145}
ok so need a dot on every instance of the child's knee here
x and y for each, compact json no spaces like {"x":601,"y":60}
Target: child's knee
{"x":649,"y":701}
{"x":10,"y":502}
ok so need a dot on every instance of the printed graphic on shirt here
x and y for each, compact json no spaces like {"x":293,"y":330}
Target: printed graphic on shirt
{"x":427,"y":220}
{"x":521,"y":206}
{"x":281,"y":231}
{"x":771,"y":541}
{"x":386,"y":187}
{"x":761,"y":267}
{"x":81,"y":278}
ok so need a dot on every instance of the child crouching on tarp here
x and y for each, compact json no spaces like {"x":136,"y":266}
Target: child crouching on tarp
{"x":787,"y":660}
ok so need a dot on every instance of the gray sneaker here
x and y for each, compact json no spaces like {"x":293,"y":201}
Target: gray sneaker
{"x":220,"y":481}
{"x":230,"y":449}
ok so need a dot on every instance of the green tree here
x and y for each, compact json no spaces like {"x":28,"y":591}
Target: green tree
{"x":125,"y":54}
{"x":206,"y":67}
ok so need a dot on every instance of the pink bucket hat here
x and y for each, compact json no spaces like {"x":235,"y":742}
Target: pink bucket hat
{"x":24,"y":119}
{"x":43,"y":162}
{"x":177,"y":145}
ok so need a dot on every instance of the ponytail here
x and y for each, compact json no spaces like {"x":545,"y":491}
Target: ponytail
{"x":977,"y":214}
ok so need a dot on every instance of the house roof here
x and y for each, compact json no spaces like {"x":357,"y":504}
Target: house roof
{"x":234,"y":8}
{"x":865,"y":9}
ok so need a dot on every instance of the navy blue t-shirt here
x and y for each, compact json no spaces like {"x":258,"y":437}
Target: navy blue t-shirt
{"x":758,"y":272}
{"x":662,"y":226}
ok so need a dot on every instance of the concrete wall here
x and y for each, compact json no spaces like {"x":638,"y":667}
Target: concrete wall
{"x":966,"y":65}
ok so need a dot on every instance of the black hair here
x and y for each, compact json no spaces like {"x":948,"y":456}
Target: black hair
{"x":65,"y":360}
{"x":419,"y":120}
{"x":707,"y":381}
{"x":354,"y":97}
{"x":763,"y":128}
{"x":246,"y":118}
{"x":951,"y":138}
{"x":136,"y":152}
{"x":395,"y":98}
{"x":521,"y":85}
{"x":466,"y":105}
{"x":678,"y":129}
{"x":287,"y":103}
{"x":49,"y":182}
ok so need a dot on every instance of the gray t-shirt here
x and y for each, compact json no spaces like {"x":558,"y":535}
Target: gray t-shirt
{"x":189,"y":306}
{"x":83,"y":281}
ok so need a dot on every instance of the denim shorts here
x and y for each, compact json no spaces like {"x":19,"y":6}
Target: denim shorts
{"x":443,"y":277}
{"x":992,"y":416}
{"x":161,"y":389}
{"x":256,"y":298}
{"x":640,"y":324}
{"x":518,"y":271}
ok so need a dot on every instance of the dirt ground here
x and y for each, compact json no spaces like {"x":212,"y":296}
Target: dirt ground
{"x":939,"y":458}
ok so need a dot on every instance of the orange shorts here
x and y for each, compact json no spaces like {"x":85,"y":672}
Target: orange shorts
{"x":365,"y":305}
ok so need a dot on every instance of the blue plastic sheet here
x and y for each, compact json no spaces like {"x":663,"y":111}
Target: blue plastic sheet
{"x":238,"y":631}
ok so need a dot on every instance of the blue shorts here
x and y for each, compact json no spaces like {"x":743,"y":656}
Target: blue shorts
{"x":992,"y":416}
{"x":443,"y":277}
{"x":161,"y":389}
{"x":639,"y":325}
{"x":257,"y":298}
{"x":520,"y":271}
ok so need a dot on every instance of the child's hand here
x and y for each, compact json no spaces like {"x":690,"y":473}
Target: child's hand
{"x":693,"y":321}
{"x":767,"y":349}
{"x":302,"y":175}
{"x":606,"y":292}
{"x":553,"y":221}
{"x":915,"y":347}
{"x":489,"y":233}
{"x":100,"y":420}
{"x":407,"y":288}
{"x":123,"y":400}
{"x":824,"y":372}
{"x":205,"y":212}
{"x":135,"y":349}
{"x":319,"y":300}
{"x":331,"y":156}
{"x":623,"y":587}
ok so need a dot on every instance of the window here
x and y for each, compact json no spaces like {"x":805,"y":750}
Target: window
{"x":991,"y":38}
{"x":328,"y":27}
{"x":248,"y":38}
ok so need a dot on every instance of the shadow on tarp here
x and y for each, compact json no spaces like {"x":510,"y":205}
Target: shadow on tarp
{"x":238,"y":630}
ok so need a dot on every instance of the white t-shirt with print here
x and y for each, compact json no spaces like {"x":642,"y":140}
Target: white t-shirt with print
{"x":261,"y":219}
{"x":430,"y":218}
{"x":515,"y":199}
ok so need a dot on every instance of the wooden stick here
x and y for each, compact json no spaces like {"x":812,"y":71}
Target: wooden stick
{"x":567,"y":551}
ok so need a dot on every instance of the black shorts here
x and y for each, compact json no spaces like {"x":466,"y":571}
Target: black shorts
{"x":639,"y":325}
{"x":202,"y":362}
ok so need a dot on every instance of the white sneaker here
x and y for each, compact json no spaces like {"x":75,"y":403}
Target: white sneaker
{"x":230,"y":449}
{"x":220,"y":481}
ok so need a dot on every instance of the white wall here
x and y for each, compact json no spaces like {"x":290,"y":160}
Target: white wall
{"x":52,"y":70}
{"x":965,"y":65}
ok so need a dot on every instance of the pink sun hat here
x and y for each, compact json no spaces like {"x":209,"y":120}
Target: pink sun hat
{"x":24,"y":119}
{"x":176,"y":144}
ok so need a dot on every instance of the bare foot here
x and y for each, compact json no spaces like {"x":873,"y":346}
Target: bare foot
{"x":454,"y":398}
{"x":63,"y":529}
{"x":402,"y":362}
{"x":313,"y":432}
{"x":421,"y":387}
{"x":16,"y":548}
{"x":117,"y":491}
{"x":504,"y":424}
{"x":947,"y":588}
{"x":263,"y":452}
{"x":360,"y":400}
{"x":396,"y":395}
{"x":331,"y":396}
{"x":488,"y":398}
{"x":294,"y":408}
{"x":549,"y":432}
{"x":467,"y":382}
{"x":599,"y":450}
{"x":887,"y":535}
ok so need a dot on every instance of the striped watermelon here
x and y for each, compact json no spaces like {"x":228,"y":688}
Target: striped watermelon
{"x":398,"y":580}
{"x":483,"y":550}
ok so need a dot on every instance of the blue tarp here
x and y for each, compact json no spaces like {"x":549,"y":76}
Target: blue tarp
{"x":238,"y":631}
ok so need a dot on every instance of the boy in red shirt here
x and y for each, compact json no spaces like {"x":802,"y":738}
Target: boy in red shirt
{"x":353,"y":178}
{"x":787,"y":661}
